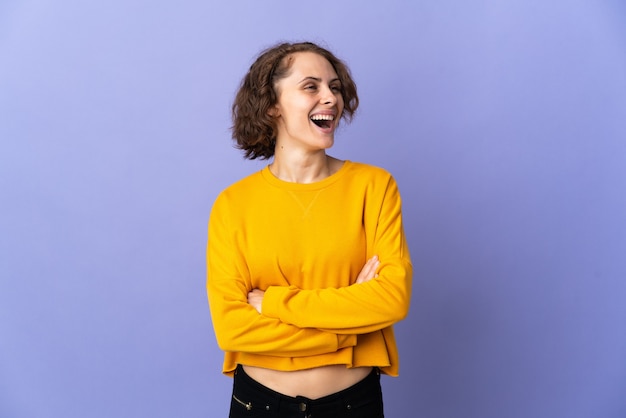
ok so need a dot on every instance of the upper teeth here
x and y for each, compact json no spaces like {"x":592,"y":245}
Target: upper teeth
{"x":322,"y":117}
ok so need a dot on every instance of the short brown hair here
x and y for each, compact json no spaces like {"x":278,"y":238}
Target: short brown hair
{"x":254,"y":130}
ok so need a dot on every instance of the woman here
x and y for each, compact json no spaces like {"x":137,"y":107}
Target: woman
{"x":308,"y":266}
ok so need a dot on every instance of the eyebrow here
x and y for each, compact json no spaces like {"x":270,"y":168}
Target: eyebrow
{"x":319,"y":80}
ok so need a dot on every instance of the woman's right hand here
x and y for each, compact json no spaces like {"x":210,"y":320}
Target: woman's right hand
{"x":368,"y":272}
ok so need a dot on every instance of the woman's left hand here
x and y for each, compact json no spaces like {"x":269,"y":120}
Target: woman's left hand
{"x":255,"y":298}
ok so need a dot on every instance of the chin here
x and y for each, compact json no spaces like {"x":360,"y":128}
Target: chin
{"x":328,"y":144}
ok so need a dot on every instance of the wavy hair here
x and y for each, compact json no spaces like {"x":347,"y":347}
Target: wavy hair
{"x":254,"y":129}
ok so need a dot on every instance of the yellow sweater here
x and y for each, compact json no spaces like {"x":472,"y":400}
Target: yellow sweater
{"x":304,"y":245}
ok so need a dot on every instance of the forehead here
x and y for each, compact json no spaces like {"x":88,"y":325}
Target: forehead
{"x":310,"y":64}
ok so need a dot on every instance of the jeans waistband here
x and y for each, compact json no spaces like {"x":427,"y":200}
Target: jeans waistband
{"x":247,"y":388}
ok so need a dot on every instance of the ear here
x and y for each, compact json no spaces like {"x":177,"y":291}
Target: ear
{"x":273,"y":111}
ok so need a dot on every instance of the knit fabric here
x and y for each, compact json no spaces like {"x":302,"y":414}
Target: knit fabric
{"x":304,"y":245}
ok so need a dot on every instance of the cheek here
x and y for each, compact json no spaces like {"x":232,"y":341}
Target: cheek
{"x":341,"y":108}
{"x":294,"y":105}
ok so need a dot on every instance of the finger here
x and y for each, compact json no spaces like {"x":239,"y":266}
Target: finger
{"x":368,"y":271}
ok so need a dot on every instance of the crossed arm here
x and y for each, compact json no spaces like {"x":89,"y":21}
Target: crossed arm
{"x":367,"y":273}
{"x":277,"y":320}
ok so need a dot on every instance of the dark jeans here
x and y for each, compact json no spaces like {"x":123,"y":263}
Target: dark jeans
{"x":251,"y":399}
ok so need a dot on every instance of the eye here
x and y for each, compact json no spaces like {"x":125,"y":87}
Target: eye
{"x":311,"y":87}
{"x":336,"y":88}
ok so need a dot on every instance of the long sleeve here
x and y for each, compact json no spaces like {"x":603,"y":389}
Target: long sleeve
{"x":365,"y":307}
{"x":304,"y":245}
{"x":238,"y":326}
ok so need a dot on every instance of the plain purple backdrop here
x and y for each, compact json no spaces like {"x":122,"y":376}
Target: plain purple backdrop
{"x":504,"y":123}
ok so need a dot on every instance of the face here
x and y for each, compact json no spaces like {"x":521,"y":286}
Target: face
{"x":309,"y":104}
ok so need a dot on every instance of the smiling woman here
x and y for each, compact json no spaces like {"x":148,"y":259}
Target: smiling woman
{"x":306,"y":115}
{"x":254,"y":122}
{"x":308,"y":265}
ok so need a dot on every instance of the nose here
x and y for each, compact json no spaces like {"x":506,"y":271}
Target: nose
{"x":328,"y":96}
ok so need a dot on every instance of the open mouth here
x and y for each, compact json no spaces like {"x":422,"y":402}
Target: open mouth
{"x":323,"y":121}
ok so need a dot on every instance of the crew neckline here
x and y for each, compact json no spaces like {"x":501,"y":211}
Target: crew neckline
{"x":283,"y":184}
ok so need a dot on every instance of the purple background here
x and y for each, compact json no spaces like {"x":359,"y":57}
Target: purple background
{"x":503,"y":122}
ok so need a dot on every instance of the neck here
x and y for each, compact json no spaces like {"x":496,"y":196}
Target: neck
{"x":302,"y":168}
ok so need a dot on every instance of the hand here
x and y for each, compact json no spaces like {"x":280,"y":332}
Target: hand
{"x":255,"y":298}
{"x":368,"y":272}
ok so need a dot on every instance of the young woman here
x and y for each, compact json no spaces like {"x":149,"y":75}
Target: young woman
{"x":308,"y":265}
